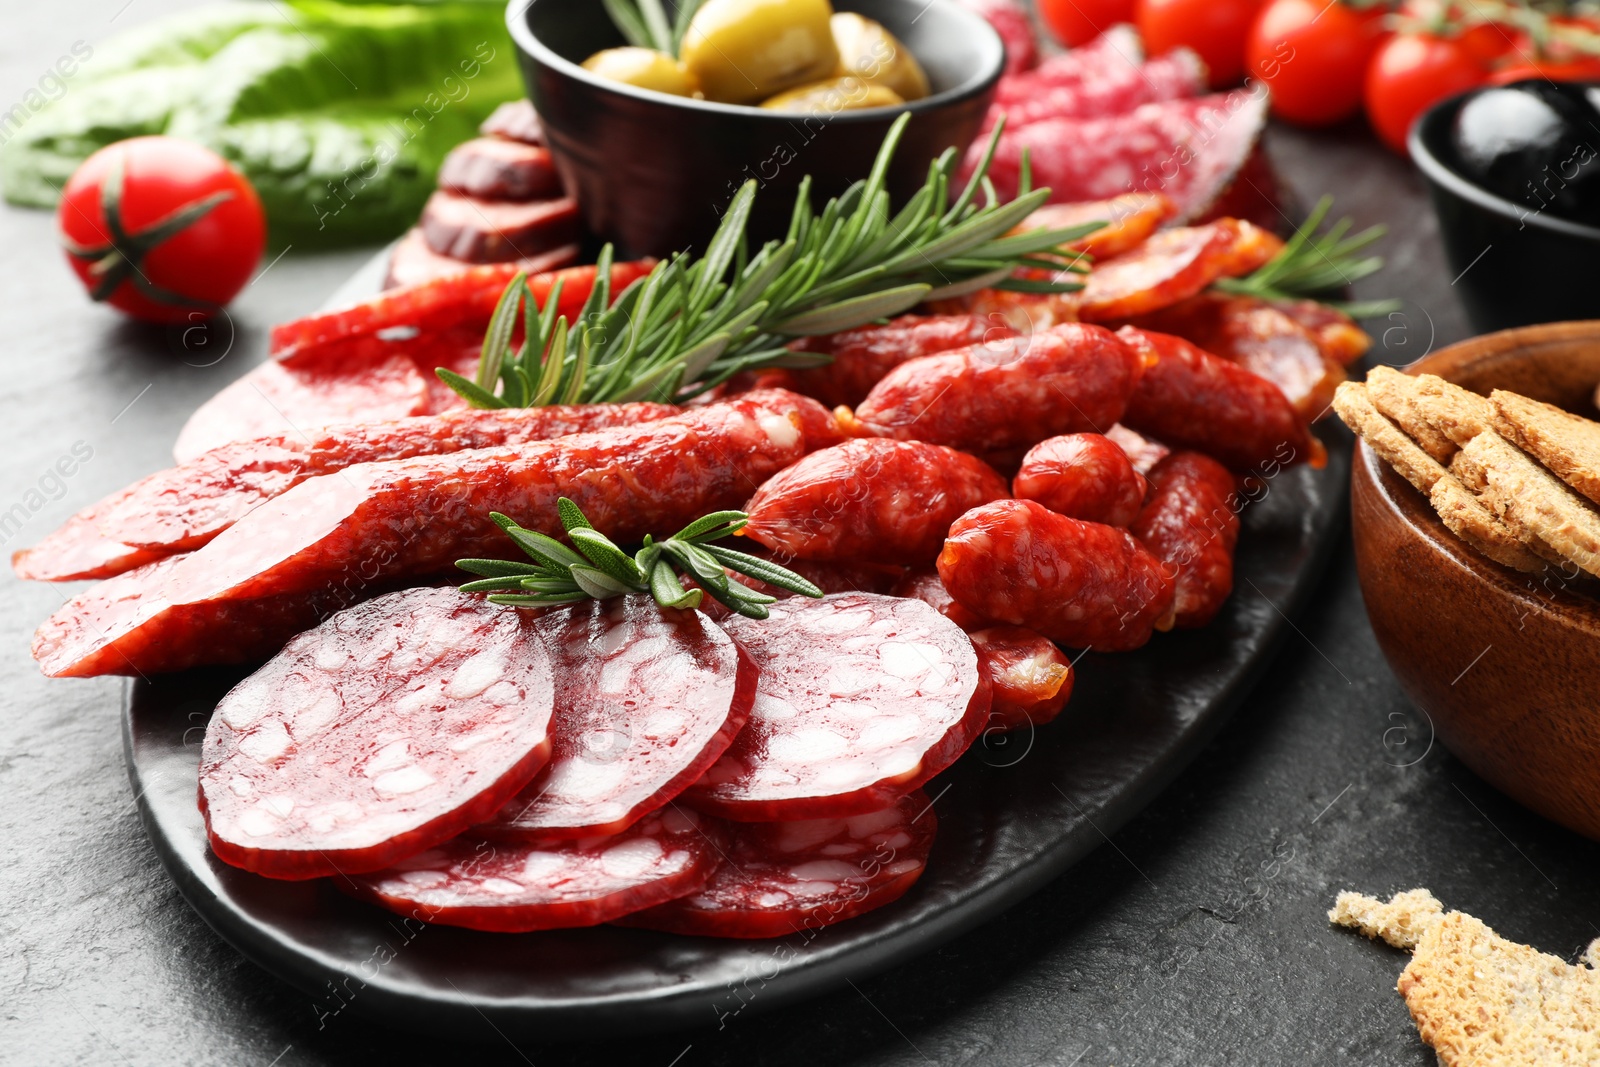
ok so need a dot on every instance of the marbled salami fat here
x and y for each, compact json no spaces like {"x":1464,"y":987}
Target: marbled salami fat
{"x":862,"y":698}
{"x":787,"y":877}
{"x":647,"y":698}
{"x":511,"y":888}
{"x":387,"y":730}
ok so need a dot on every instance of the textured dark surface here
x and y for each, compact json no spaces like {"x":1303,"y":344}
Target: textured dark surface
{"x":1196,"y":936}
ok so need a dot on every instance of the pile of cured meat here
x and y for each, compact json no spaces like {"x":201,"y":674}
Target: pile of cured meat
{"x":499,"y":200}
{"x":1103,"y":119}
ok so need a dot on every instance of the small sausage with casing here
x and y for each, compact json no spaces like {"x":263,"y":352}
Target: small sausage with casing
{"x":1083,"y":584}
{"x":1071,"y":378}
{"x":1192,"y":525}
{"x":870,"y":499}
{"x":861,"y":357}
{"x":1032,"y":679}
{"x":1082,"y":476}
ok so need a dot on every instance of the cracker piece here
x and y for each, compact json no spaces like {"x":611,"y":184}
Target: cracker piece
{"x":1471,"y":520}
{"x":1567,"y":444}
{"x":1534,"y":503}
{"x":1394,"y":395}
{"x":1458,"y":413}
{"x":1354,"y":406}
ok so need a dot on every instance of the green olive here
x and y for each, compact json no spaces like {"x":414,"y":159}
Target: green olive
{"x":834,"y":95}
{"x":643,"y":68}
{"x":869,"y":51}
{"x":747,"y":50}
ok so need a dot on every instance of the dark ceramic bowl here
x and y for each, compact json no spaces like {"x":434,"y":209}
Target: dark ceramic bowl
{"x":652,"y":173}
{"x":1503,"y":664}
{"x":1514,"y":266}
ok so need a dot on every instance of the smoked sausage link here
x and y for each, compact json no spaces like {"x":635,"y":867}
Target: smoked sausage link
{"x":1083,"y":584}
{"x":861,"y":357}
{"x":1083,"y":476}
{"x":1192,"y":525}
{"x":374,"y":524}
{"x":871,"y":499}
{"x":1189,"y":398}
{"x":1032,"y":678}
{"x":1071,"y":378}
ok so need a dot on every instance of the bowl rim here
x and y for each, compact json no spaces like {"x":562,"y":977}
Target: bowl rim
{"x":523,"y":37}
{"x":1575,"y":609}
{"x":1439,"y":173}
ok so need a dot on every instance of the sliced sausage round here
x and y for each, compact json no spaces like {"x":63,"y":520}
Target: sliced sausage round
{"x":862,"y":698}
{"x":492,"y":231}
{"x":388,"y":729}
{"x":788,"y":877}
{"x":647,"y":698}
{"x":511,"y":888}
{"x":497,"y":169}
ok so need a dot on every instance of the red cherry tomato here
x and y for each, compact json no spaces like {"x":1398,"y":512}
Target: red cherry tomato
{"x":1214,"y":28}
{"x":1411,"y":72}
{"x":1313,"y":56}
{"x":1075,"y":21}
{"x":1487,"y":41}
{"x":160,"y":228}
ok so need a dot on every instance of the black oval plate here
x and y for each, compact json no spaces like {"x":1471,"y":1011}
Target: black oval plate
{"x":1014,"y":813}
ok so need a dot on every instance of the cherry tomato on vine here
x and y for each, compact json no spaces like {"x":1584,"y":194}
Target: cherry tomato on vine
{"x":1411,"y":72}
{"x":1216,"y":29}
{"x":1077,"y":21}
{"x":160,"y":228}
{"x":1313,"y":56}
{"x":1556,"y":61}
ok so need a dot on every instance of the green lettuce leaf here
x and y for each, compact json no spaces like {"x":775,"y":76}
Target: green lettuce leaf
{"x":339,"y":113}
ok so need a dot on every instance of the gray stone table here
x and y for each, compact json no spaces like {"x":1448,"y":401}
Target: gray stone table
{"x":1195,"y":936}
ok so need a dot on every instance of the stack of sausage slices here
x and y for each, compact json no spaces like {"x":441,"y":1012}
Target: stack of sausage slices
{"x":974,"y":489}
{"x":499,"y":200}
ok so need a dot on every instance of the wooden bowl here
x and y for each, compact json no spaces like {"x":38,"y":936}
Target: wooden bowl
{"x":1505,"y":665}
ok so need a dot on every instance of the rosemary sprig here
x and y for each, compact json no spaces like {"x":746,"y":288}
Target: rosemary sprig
{"x":694,"y":322}
{"x":1314,"y":265}
{"x":644,"y":23}
{"x":599,"y":569}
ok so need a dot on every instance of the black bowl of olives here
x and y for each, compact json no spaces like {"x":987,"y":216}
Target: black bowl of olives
{"x":655,"y":134}
{"x":1514,"y":173}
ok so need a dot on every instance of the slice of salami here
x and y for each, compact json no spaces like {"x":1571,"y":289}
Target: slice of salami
{"x":412,"y":262}
{"x":468,"y":297}
{"x":1171,"y":266}
{"x":1071,"y":378}
{"x":862,"y":698}
{"x":1084,"y":476}
{"x":363,"y":379}
{"x":928,"y":587}
{"x":387,"y":730}
{"x":184,"y":507}
{"x":1084,"y":584}
{"x":1191,"y":399}
{"x":1117,"y":49}
{"x":871,"y":499}
{"x":646,"y":699}
{"x":78,"y":550}
{"x":1191,"y":150}
{"x":1192,"y":525}
{"x":861,"y":357}
{"x":1129,"y":219}
{"x":508,"y":887}
{"x":371,"y":526}
{"x":1175,"y":75}
{"x":1261,"y":338}
{"x":494,"y":231}
{"x":788,"y":877}
{"x":1337,"y":334}
{"x":493,"y":168}
{"x":1032,"y":678}
{"x":514,"y":120}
